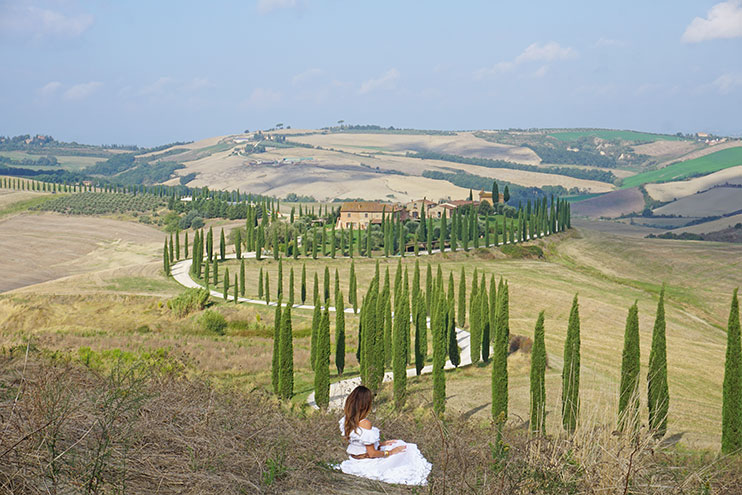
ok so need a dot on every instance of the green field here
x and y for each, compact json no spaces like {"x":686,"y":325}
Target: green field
{"x":704,"y":165}
{"x":72,"y":163}
{"x":609,"y":134}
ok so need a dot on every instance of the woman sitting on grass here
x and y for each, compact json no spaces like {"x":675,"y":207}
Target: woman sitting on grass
{"x":392,"y":461}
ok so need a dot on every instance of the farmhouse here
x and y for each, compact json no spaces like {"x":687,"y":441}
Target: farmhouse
{"x":414,"y":208}
{"x":359,"y":214}
{"x":486,"y":197}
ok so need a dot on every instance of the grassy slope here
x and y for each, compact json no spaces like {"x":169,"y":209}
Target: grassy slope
{"x":720,"y":160}
{"x":609,"y":134}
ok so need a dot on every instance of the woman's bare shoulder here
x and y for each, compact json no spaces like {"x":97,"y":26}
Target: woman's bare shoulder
{"x":365,"y":424}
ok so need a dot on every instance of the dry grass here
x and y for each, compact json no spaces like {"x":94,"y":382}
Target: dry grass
{"x":141,"y":427}
{"x":38,"y":248}
{"x":714,"y":202}
{"x":669,"y":191}
{"x":611,"y":205}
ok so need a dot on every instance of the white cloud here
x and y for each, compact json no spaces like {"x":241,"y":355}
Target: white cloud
{"x":536,"y":52}
{"x":50,"y":88}
{"x":726,"y":83}
{"x":546,"y":52}
{"x":724,"y":20}
{"x":157,"y":87}
{"x":29,"y":20}
{"x":82,"y":90}
{"x":262,"y":97}
{"x":196,"y":84}
{"x":305,"y":76}
{"x":541,"y":71}
{"x":386,"y":81}
{"x":265,"y":6}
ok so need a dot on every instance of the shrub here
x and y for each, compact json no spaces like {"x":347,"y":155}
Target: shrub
{"x":189,"y":301}
{"x":213,"y":322}
{"x":518,"y":251}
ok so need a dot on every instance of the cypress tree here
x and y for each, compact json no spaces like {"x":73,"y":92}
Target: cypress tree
{"x":275,"y":363}
{"x":286,"y":356}
{"x":428,"y":289}
{"x":215,"y":272}
{"x":731,"y":412}
{"x":279,"y":282}
{"x":462,"y":297}
{"x":235,"y":289}
{"x":378,"y":346}
{"x":495,"y":193}
{"x":628,"y":395}
{"x":387,"y":318}
{"x":303,"y":283}
{"x":260,"y":283}
{"x":443,"y":231}
{"x":165,"y":260}
{"x":453,"y":345}
{"x":415,"y":289}
{"x":222,"y":247}
{"x":421,"y":333}
{"x":316,"y":320}
{"x":171,"y":251}
{"x":475,"y":321}
{"x":274,"y":243}
{"x":352,"y":292}
{"x":210,"y":244}
{"x":238,"y":243}
{"x":500,"y":356}
{"x":322,"y":366}
{"x":487,"y":324}
{"x":571,"y":371}
{"x":242,"y":277}
{"x":326,"y":286}
{"x":226,"y":283}
{"x":259,"y":243}
{"x":332,"y":241}
{"x":658,"y":396}
{"x":439,"y":355}
{"x":267,"y":291}
{"x":400,"y":354}
{"x":185,"y":245}
{"x":538,"y":379}
{"x":429,"y":241}
{"x":340,"y":334}
{"x":177,"y":244}
{"x":291,"y":287}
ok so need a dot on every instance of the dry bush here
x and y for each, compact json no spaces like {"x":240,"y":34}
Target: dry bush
{"x":131,"y":426}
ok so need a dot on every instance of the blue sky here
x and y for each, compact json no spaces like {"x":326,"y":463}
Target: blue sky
{"x":150,"y":72}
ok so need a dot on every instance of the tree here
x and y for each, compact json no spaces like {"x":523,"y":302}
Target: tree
{"x":274,"y":244}
{"x":488,"y":324}
{"x":400,"y":352}
{"x":260,"y":283}
{"x":658,"y":396}
{"x":571,"y":371}
{"x":222,"y":247}
{"x":453,"y":344}
{"x":316,"y":320}
{"x":291,"y":287}
{"x":731,"y":412}
{"x":326,"y":286}
{"x":340,"y":334}
{"x":303,"y":283}
{"x":495,"y":193}
{"x":506,"y":195}
{"x":286,"y":356}
{"x":242,"y":277}
{"x":500,"y":355}
{"x":628,"y":395}
{"x":443,"y":232}
{"x":322,"y":365}
{"x":267,"y":290}
{"x":462,"y":297}
{"x":387,"y":318}
{"x":279,"y":281}
{"x":226,"y":283}
{"x":165,"y":260}
{"x":275,"y":363}
{"x":352,"y":292}
{"x":475,"y":321}
{"x":215,"y":272}
{"x":238,"y":243}
{"x":538,"y":383}
{"x":235,"y":289}
{"x":421,"y":333}
{"x":439,"y":354}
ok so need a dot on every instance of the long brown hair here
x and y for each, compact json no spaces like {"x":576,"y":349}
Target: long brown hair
{"x":357,"y":406}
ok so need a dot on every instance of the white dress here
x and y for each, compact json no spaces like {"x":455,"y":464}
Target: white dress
{"x":406,"y":468}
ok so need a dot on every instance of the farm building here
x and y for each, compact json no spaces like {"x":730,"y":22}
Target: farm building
{"x":415,"y":207}
{"x":359,"y":214}
{"x":486,"y":197}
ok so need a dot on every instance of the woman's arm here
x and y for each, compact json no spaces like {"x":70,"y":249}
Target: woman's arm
{"x":371,"y":450}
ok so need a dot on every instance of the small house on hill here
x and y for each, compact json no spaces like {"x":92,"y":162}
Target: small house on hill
{"x":486,"y":197}
{"x":359,"y":214}
{"x":414,"y":208}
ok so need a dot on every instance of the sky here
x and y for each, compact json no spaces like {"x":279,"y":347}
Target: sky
{"x":153,"y":72}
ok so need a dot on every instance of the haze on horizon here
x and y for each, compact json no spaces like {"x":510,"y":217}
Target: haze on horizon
{"x":153,"y":72}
